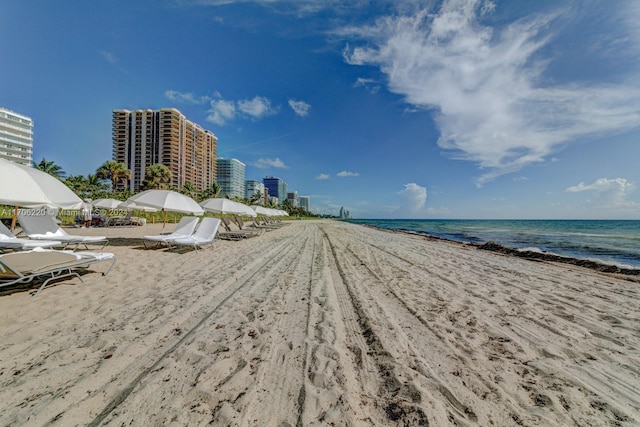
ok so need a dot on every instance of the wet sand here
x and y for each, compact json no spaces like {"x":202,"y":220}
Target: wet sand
{"x":323,"y":323}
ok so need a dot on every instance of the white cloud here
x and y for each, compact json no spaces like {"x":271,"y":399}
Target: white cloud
{"x":413,"y":200}
{"x":112,"y":60}
{"x":109,"y":57}
{"x":323,"y":176}
{"x":185,"y":98}
{"x":486,"y":87}
{"x":370,"y":85}
{"x":221,"y":111}
{"x":347,"y":173}
{"x":607,"y":193}
{"x":301,"y":108}
{"x":270,"y":163}
{"x":258,"y":107}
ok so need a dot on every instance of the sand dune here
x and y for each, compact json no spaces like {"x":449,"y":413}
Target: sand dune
{"x":323,"y":323}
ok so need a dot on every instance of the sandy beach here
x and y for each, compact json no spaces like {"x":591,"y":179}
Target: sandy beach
{"x":322,"y":323}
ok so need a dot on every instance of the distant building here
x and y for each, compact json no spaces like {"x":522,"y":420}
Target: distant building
{"x":344,"y":214}
{"x":305,"y":203}
{"x":277,"y":188}
{"x":252,"y":187}
{"x":292,"y":197}
{"x":16,"y":137}
{"x":230,"y":178}
{"x":142,"y":138}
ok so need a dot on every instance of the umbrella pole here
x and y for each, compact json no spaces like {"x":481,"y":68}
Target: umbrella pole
{"x":165,"y":220}
{"x":15,"y":217}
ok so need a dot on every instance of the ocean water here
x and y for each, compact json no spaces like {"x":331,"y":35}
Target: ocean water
{"x":615,"y":242}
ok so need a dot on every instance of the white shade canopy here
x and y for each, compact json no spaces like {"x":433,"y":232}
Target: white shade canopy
{"x":25,"y":186}
{"x":168,"y":201}
{"x":106,"y":203}
{"x":260,"y":210}
{"x":131,"y":206}
{"x":226,"y":206}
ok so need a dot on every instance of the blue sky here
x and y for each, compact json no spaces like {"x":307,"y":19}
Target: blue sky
{"x":392,"y":109}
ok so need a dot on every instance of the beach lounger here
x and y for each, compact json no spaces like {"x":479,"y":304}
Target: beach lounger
{"x":231,"y":234}
{"x":255,"y":224}
{"x":9,"y":241}
{"x":44,"y":227}
{"x":184,"y":228}
{"x":205,"y":234}
{"x":47,"y":265}
{"x":124,"y":221}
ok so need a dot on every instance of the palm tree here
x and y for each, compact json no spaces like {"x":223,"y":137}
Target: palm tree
{"x":91,"y":186}
{"x":256,"y":198}
{"x":50,"y":167}
{"x":114,"y":171}
{"x":156,"y":177}
{"x":211,"y":192}
{"x":189,"y":189}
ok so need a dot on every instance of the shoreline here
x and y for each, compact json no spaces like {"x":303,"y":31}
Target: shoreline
{"x":525,"y":254}
{"x":322,"y":323}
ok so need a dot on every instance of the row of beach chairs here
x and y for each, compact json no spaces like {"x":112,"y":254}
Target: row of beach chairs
{"x":188,"y":233}
{"x":34,"y":258}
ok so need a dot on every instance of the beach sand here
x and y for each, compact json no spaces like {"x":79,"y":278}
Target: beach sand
{"x":322,"y":323}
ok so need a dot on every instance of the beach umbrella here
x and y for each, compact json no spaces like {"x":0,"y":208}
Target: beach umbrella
{"x":106,"y":203}
{"x":25,"y":186}
{"x":167,"y":201}
{"x":131,"y":206}
{"x":260,"y":210}
{"x":28,"y":187}
{"x":226,"y":206}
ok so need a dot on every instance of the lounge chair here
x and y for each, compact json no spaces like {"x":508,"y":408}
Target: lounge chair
{"x":184,"y":228}
{"x":45,"y":264}
{"x":9,"y":241}
{"x":205,"y":234}
{"x":124,"y":221}
{"x":44,"y":227}
{"x":231,"y":234}
{"x":255,"y":224}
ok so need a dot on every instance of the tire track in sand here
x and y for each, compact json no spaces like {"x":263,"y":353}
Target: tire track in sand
{"x":397,"y":399}
{"x":241,"y":282}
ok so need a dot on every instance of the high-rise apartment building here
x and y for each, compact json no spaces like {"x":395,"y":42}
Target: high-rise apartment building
{"x":16,"y":137}
{"x":305,"y":203}
{"x":252,"y":187}
{"x":230,"y":178}
{"x":276,"y":187}
{"x":142,"y":138}
{"x":292,"y":197}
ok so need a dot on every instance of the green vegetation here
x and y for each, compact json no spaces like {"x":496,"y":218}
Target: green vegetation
{"x":157,"y":177}
{"x":114,"y":171}
{"x":51,"y":168}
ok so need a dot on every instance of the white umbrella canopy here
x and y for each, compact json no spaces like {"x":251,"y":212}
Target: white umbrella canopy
{"x":226,"y":206}
{"x":131,"y":206}
{"x":106,"y":203}
{"x":260,"y":210}
{"x":168,"y":201}
{"x":25,"y":186}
